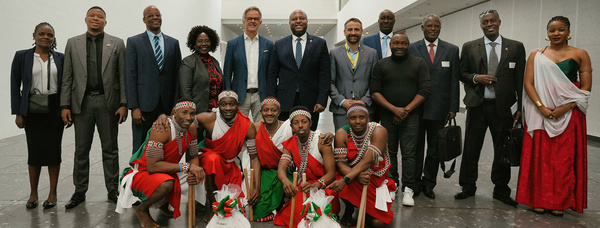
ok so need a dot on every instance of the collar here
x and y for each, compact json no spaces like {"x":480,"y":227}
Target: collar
{"x":487,"y":41}
{"x":303,"y":37}
{"x":152,"y":35}
{"x":246,"y":37}
{"x":381,"y":35}
{"x":435,"y":42}
{"x":350,"y":50}
{"x":89,"y":35}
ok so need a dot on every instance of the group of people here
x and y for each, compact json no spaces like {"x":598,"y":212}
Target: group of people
{"x":386,"y":94}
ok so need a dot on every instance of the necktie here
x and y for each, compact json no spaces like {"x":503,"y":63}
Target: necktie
{"x":492,"y":64}
{"x":384,"y":47}
{"x":158,"y":52}
{"x":93,"y":77}
{"x":431,"y":52}
{"x":298,"y":52}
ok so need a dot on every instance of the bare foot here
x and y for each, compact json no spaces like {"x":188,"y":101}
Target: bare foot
{"x":145,"y":219}
{"x":208,"y":216}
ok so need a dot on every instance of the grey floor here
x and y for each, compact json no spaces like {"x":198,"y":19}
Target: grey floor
{"x":444,"y":211}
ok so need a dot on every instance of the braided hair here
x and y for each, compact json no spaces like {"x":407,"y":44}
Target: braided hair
{"x":53,"y":45}
{"x":560,"y":18}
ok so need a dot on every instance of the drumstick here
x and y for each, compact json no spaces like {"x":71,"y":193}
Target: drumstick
{"x":293,"y":201}
{"x":247,"y":188}
{"x":191,"y":206}
{"x":251,"y":192}
{"x":303,"y":193}
{"x":362,"y":209}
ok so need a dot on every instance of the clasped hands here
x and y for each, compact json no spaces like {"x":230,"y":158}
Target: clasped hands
{"x":400,"y":114}
{"x":554,"y":113}
{"x":195,"y":175}
{"x":364,"y":178}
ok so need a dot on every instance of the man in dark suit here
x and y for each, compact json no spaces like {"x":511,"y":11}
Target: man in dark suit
{"x":301,"y":63}
{"x":151,"y":65}
{"x":93,"y":95}
{"x":492,"y":72}
{"x":381,"y":40}
{"x":351,"y":67}
{"x":441,"y":105}
{"x":247,"y":64}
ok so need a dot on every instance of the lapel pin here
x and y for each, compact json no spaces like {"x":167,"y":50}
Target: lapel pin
{"x":311,"y":41}
{"x":108,"y":45}
{"x":506,"y":49}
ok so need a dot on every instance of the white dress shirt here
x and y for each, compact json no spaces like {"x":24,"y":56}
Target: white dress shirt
{"x":39,"y":75}
{"x":161,"y":41}
{"x":252,"y":54}
{"x":435,"y":45}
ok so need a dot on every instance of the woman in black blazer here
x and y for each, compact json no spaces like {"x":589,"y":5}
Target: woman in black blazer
{"x":38,"y":71}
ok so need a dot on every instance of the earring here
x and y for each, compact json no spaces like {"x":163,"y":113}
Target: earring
{"x":546,"y":38}
{"x":568,"y":37}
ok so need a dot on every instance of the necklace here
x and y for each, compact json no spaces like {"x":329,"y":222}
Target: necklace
{"x":228,"y":122}
{"x":271,"y":133}
{"x":359,"y":139}
{"x":304,"y":150}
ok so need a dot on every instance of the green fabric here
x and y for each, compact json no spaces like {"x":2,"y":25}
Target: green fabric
{"x":346,"y":127}
{"x":271,"y":192}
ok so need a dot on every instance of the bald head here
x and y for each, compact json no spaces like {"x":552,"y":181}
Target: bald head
{"x":298,"y":22}
{"x":386,"y":21}
{"x":152,"y":19}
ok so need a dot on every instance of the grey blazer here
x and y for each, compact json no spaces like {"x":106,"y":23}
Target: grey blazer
{"x":193,"y":80}
{"x":74,"y":79}
{"x":348,"y":84}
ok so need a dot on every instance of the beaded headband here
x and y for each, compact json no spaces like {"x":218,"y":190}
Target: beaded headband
{"x":300,"y":112}
{"x":270,"y":101}
{"x":185,"y":104}
{"x":357,"y":107}
{"x":228,"y":94}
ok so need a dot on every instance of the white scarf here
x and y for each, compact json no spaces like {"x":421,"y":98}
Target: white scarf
{"x":283,"y":133}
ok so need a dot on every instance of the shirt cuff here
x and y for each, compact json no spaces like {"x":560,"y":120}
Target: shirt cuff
{"x":474,"y":76}
{"x":342,"y":102}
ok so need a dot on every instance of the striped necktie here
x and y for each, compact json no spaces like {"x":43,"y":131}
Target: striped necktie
{"x":158,"y":52}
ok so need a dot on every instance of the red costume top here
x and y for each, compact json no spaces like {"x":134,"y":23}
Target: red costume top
{"x":268,"y":153}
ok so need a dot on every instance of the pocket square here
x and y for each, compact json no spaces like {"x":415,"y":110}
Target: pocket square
{"x":266,"y":51}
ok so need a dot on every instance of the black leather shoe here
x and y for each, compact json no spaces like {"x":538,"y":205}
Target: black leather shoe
{"x":47,"y":204}
{"x":464,"y":194}
{"x":113,"y":198}
{"x":75,"y":200}
{"x":32,"y":204}
{"x":428,"y":192}
{"x":507,"y":200}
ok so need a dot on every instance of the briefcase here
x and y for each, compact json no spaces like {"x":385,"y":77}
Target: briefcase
{"x":449,"y":146}
{"x":511,"y":145}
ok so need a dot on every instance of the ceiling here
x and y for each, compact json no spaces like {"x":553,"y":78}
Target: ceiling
{"x":275,"y":29}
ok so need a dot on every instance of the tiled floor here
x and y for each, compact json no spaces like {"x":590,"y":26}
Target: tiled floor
{"x":444,"y":211}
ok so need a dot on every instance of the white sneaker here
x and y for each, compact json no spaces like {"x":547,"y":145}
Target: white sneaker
{"x":408,"y":200}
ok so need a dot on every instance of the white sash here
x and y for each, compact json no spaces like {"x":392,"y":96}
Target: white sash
{"x":220,"y":127}
{"x":283,"y":133}
{"x":126,"y":198}
{"x":314,"y":147}
{"x":382,"y":196}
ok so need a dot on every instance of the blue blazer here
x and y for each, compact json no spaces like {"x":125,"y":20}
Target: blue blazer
{"x":145,"y":83}
{"x":20,"y":78}
{"x":374,"y":42}
{"x":235,"y":69}
{"x":445,"y":93}
{"x":313,"y":77}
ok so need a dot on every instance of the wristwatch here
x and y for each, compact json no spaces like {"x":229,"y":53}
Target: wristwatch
{"x":347,"y":180}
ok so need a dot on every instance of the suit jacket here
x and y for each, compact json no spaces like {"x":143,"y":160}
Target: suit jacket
{"x":193,"y":79}
{"x":510,"y":73}
{"x":351,"y":84}
{"x":374,"y":41}
{"x":444,"y":73}
{"x":20,"y":78}
{"x":74,"y":80}
{"x":146,"y":84}
{"x":313,"y":76}
{"x":235,"y":70}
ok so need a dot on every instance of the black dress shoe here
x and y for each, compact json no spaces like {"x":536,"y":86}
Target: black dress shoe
{"x":32,"y":204}
{"x":75,"y":200}
{"x":507,"y":200}
{"x":464,"y":194}
{"x":113,"y":198}
{"x":428,"y":192}
{"x":47,"y":204}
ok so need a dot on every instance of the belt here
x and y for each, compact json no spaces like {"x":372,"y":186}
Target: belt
{"x":94,"y":93}
{"x":252,"y":90}
{"x":489,"y":100}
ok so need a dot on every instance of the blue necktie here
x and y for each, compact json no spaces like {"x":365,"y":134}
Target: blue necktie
{"x":158,"y":52}
{"x":298,"y":52}
{"x":384,"y":47}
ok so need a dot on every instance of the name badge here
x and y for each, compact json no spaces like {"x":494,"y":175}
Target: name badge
{"x":512,"y":65}
{"x":445,"y":63}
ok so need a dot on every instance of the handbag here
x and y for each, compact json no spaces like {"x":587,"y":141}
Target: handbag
{"x":511,"y":145}
{"x":38,"y":102}
{"x":449,"y":146}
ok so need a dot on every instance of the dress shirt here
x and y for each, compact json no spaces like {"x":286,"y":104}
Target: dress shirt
{"x":381,"y":35}
{"x":435,"y":43}
{"x":302,"y":42}
{"x":161,"y":40}
{"x":252,"y":54}
{"x":39,"y":75}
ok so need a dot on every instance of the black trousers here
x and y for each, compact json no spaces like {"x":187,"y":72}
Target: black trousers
{"x":139,"y":131}
{"x":314,"y":115}
{"x":429,"y":129}
{"x":479,"y":118}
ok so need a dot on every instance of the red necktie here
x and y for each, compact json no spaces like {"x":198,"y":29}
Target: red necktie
{"x":431,"y":52}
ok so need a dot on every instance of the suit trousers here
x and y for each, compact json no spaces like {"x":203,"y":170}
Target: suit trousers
{"x":140,"y":131}
{"x":95,"y":113}
{"x":479,"y":118}
{"x":406,"y":134}
{"x":430,"y":129}
{"x":251,"y":104}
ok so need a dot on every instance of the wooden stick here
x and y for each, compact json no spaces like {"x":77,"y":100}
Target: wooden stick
{"x":303,"y":193}
{"x":191,"y":206}
{"x":247,"y":188}
{"x":295,"y":182}
{"x":251,"y":192}
{"x":362,"y":209}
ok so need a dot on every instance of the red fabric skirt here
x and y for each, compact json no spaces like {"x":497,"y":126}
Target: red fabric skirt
{"x":553,"y":172}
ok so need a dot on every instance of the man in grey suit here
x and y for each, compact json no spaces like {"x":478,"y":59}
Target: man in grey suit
{"x":151,"y":65}
{"x":492,"y":69}
{"x":351,"y":67}
{"x":93,"y":95}
{"x":441,"y":105}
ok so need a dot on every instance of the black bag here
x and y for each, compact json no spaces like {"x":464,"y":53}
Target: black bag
{"x":38,"y":102}
{"x":449,"y":146}
{"x":511,"y":145}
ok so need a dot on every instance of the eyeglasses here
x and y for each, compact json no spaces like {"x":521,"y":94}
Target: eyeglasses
{"x":153,"y":16}
{"x":253,"y":19}
{"x":488,"y":11}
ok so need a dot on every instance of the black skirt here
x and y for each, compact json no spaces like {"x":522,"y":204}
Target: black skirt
{"x":44,"y":133}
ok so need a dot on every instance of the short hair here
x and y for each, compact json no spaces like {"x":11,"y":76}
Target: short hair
{"x":488,"y":11}
{"x":353,"y":19}
{"x":196,"y":31}
{"x":98,"y":8}
{"x":300,"y":107}
{"x":428,"y":17}
{"x":560,"y":18}
{"x":53,"y":45}
{"x":252,"y":8}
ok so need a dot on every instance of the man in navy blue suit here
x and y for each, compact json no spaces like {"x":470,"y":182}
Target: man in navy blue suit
{"x":381,"y":40}
{"x":247,"y":63}
{"x":301,"y":63}
{"x":151,"y":65}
